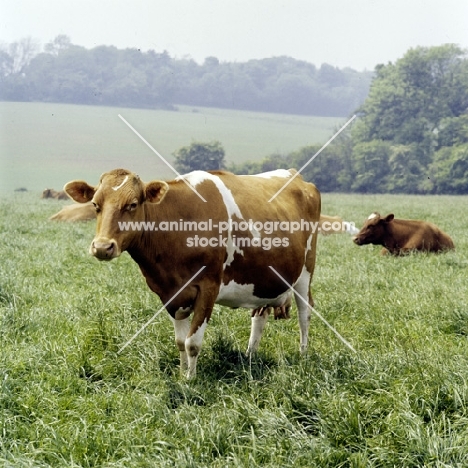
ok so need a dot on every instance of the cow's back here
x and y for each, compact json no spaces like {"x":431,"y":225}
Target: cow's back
{"x":420,"y":235}
{"x":75,"y":212}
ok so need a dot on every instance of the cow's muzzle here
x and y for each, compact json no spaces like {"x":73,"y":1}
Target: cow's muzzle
{"x":104,"y":249}
{"x":357,"y":240}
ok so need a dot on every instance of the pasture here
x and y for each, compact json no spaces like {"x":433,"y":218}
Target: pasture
{"x":68,"y":399}
{"x":46,"y":145}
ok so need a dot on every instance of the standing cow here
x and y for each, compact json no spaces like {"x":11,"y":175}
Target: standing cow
{"x":400,"y":236}
{"x":235,"y":274}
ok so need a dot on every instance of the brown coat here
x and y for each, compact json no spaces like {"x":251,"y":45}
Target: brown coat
{"x":400,"y":236}
{"x":191,"y":271}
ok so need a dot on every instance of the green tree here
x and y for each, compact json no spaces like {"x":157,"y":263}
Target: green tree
{"x":371,"y":166}
{"x":406,"y":173}
{"x":415,"y":106}
{"x":453,"y":131}
{"x":200,"y":156}
{"x":408,"y":99}
{"x":325,"y":170}
{"x":449,"y":171}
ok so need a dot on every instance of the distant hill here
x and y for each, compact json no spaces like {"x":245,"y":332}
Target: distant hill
{"x":44,"y":145}
{"x":105,"y":75}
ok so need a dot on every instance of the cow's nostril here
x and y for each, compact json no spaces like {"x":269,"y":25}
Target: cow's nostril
{"x":103,"y":250}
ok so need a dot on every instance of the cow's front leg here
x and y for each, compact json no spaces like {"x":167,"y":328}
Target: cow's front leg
{"x":193,"y":345}
{"x":181,"y":329}
{"x":259,"y":320}
{"x":203,"y":308}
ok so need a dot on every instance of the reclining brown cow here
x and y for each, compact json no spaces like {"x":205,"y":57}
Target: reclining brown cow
{"x":51,"y":193}
{"x":400,"y":236}
{"x":334,"y":225}
{"x":75,"y":212}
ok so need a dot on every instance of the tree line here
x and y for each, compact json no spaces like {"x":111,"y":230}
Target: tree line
{"x":105,"y":75}
{"x":411,"y":134}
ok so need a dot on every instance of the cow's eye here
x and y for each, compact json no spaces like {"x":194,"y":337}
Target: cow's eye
{"x":96,"y":207}
{"x":132,"y":206}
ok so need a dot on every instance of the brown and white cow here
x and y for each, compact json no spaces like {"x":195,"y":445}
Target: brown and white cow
{"x":75,"y":212}
{"x":235,"y":274}
{"x":51,"y":193}
{"x":400,"y":236}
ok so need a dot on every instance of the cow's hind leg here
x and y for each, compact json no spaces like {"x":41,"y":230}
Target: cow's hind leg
{"x":304,"y":299}
{"x":259,"y":319}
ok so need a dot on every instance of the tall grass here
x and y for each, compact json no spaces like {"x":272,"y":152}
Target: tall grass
{"x":68,"y":398}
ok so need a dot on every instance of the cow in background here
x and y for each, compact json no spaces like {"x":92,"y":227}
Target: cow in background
{"x":400,"y":236}
{"x":51,"y":193}
{"x":334,"y":225}
{"x":75,"y":212}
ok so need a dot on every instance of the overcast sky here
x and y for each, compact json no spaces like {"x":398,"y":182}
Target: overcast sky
{"x":344,"y":33}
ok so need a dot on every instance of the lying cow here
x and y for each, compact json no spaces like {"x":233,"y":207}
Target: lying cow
{"x":75,"y":212}
{"x":51,"y":193}
{"x":400,"y":236}
{"x":334,"y":225}
{"x":192,"y":277}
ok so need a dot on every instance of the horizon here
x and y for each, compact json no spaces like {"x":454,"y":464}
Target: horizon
{"x":359,"y":35}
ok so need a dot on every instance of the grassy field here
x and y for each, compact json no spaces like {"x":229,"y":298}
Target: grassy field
{"x":46,"y":145}
{"x":68,"y":399}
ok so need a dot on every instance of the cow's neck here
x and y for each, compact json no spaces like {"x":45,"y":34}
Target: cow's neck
{"x":147,"y":249}
{"x":392,"y":239}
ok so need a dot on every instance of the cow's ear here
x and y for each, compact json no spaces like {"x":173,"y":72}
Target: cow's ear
{"x":156,"y":191}
{"x":389,"y":218}
{"x":79,"y":191}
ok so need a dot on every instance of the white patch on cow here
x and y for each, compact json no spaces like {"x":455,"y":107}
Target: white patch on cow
{"x":181,"y":329}
{"x":197,"y":177}
{"x":302,"y":283}
{"x":241,"y":295}
{"x":283,"y":173}
{"x":197,"y":338}
{"x":309,"y":244}
{"x":193,"y":346}
{"x":301,"y":286}
{"x":119,"y":186}
{"x":372,"y":216}
{"x":257,"y":326}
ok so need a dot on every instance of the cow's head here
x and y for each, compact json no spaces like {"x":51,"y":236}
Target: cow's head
{"x":373,"y":230}
{"x":48,"y":193}
{"x":120,"y":197}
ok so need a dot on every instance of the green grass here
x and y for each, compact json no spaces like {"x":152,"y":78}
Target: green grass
{"x":68,"y":399}
{"x":46,"y":145}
